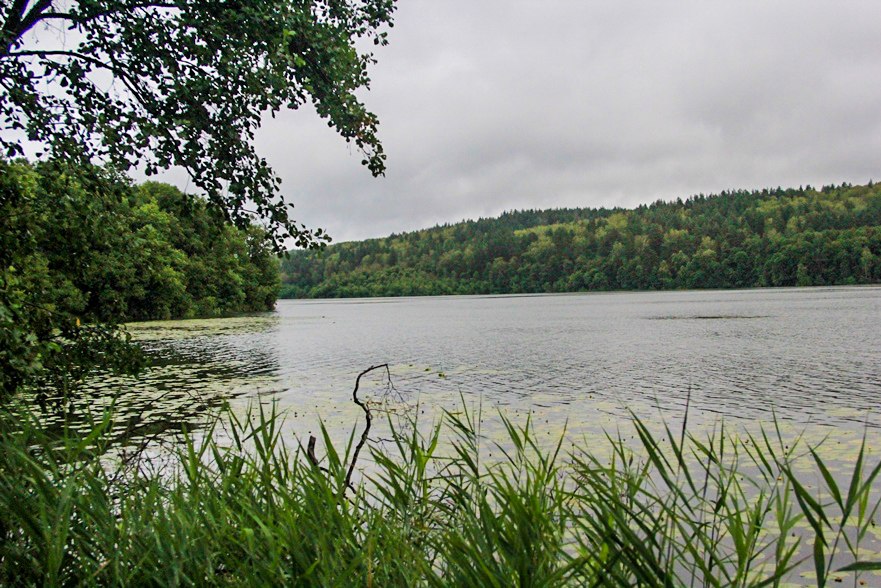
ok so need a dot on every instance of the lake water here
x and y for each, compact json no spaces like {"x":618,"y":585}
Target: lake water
{"x":809,"y":356}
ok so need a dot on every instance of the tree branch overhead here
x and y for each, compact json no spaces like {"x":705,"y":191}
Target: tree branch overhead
{"x":197,"y":79}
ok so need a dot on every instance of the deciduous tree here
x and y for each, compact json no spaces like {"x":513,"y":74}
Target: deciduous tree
{"x":187,"y":83}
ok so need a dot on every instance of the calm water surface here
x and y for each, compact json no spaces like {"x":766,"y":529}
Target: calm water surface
{"x":810,"y":356}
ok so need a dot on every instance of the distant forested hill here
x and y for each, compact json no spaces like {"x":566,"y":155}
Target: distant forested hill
{"x":795,"y":237}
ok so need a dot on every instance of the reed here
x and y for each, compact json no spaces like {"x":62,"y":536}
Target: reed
{"x":241,"y":506}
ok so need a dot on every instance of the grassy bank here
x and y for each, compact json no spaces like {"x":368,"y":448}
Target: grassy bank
{"x":241,"y":506}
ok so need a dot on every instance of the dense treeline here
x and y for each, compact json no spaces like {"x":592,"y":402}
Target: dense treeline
{"x":111,"y":251}
{"x":795,"y":237}
{"x":82,"y":250}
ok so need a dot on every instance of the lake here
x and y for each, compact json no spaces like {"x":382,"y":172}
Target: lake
{"x":810,"y":356}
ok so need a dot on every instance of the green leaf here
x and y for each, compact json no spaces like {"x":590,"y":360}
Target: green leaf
{"x":820,"y":561}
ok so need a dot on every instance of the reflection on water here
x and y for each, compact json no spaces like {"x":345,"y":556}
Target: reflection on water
{"x":194,"y":367}
{"x":810,"y":356}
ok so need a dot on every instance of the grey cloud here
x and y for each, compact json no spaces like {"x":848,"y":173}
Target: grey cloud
{"x":487,"y":106}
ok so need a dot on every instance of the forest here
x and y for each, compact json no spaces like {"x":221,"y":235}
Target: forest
{"x":737,"y":239}
{"x":107,"y":250}
{"x":83,"y":249}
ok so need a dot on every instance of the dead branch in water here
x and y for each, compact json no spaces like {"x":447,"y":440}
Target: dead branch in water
{"x":368,"y":416}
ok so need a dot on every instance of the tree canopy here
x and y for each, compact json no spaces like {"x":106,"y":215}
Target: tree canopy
{"x":186,"y":83}
{"x":80,"y":252}
{"x":83,"y":249}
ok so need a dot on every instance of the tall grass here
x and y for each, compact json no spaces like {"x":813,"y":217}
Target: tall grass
{"x":245,"y":507}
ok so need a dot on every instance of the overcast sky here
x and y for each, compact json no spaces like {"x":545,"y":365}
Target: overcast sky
{"x":492,"y":105}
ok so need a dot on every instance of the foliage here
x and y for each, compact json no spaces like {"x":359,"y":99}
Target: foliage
{"x":777,"y":237}
{"x":242,"y":508}
{"x":182,"y":83}
{"x":83,"y":250}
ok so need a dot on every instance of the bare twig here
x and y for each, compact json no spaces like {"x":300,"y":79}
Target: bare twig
{"x":367,"y":416}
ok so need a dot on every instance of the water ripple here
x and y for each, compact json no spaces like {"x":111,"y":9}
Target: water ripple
{"x":809,"y":356}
